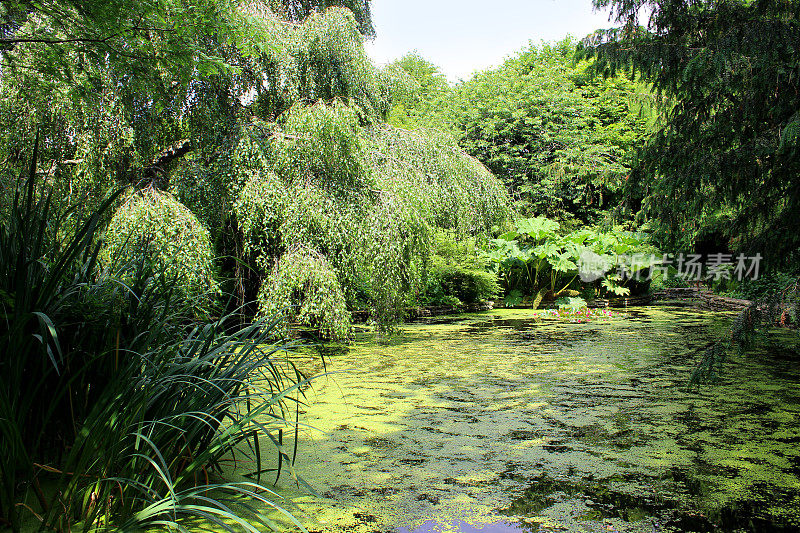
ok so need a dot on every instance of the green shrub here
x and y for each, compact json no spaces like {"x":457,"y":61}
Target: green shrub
{"x":468,"y":286}
{"x":156,"y":224}
{"x":769,"y":283}
{"x":670,"y":280}
{"x":304,"y":289}
{"x":456,"y":272}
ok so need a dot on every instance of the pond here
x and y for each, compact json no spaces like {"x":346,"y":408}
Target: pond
{"x":509,"y":421}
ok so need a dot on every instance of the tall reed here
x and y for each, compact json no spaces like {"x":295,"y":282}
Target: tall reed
{"x":118,"y":410}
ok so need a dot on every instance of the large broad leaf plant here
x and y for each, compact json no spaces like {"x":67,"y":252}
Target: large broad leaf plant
{"x":538,"y":259}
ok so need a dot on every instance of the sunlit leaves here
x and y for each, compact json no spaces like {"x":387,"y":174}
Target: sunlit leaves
{"x":320,"y":58}
{"x":155,"y":224}
{"x":320,"y":144}
{"x":416,"y":85}
{"x":559,"y":139}
{"x":537,"y":228}
{"x":448,"y":188}
{"x":304,"y":289}
{"x":538,"y":257}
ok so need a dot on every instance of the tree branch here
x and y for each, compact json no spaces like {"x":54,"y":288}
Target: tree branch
{"x":19,"y":40}
{"x":157,"y":167}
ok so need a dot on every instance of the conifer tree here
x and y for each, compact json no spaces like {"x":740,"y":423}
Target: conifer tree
{"x":725,"y":164}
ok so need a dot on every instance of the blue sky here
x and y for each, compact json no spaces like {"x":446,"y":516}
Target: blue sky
{"x":462,"y":36}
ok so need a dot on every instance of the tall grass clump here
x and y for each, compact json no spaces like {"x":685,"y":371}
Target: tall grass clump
{"x":118,"y":410}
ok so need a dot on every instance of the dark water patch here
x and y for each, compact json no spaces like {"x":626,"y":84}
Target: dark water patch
{"x":539,"y":495}
{"x":329,"y":351}
{"x":561,"y":337}
{"x":526,"y":434}
{"x":613,"y":498}
{"x":602,"y":500}
{"x":498,"y":323}
{"x":556,"y":446}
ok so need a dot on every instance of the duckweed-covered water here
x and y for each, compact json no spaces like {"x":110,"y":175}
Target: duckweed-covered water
{"x":505,"y":421}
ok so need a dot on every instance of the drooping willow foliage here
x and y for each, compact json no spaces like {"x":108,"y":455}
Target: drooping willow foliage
{"x":156,"y":224}
{"x":321,"y":58}
{"x":304,"y":274}
{"x":299,"y":10}
{"x":320,"y":191}
{"x":430,"y":172}
{"x":257,"y":131}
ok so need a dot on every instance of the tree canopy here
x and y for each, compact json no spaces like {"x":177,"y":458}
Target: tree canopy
{"x":258,"y":131}
{"x":724,"y":165}
{"x":418,"y":85}
{"x":561,"y":140}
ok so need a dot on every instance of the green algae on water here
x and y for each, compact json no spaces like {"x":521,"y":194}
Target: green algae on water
{"x":584,"y":426}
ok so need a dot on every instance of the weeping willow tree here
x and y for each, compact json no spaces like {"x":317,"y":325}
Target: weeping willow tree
{"x":322,"y":191}
{"x":261,"y":127}
{"x":299,"y":10}
{"x":251,"y":141}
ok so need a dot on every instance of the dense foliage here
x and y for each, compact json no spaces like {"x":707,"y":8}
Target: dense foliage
{"x":266,"y":121}
{"x":250,"y":143}
{"x":722,"y":171}
{"x":561,"y":140}
{"x":538,"y":260}
{"x":417,"y":86}
{"x":117,"y":409}
{"x":364,"y":198}
{"x":174,"y":242}
{"x":459,"y":274}
{"x":197,"y":158}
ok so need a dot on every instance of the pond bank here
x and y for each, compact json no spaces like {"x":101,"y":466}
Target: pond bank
{"x":677,"y":296}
